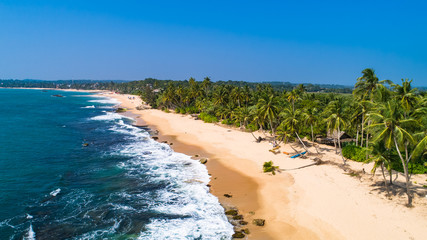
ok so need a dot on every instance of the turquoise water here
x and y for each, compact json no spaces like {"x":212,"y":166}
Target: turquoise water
{"x":123,"y":185}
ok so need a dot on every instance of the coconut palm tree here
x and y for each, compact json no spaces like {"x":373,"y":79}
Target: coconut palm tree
{"x":268,"y":108}
{"x":406,"y":95}
{"x":293,"y":96}
{"x":206,"y":84}
{"x":336,"y":120}
{"x":391,"y":127}
{"x":381,"y":157}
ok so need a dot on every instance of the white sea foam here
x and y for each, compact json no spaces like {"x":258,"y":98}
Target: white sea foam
{"x":30,"y":235}
{"x":28,"y":216}
{"x":92,"y":106}
{"x":109,"y":116}
{"x":106,"y":101}
{"x":55,"y":192}
{"x":186,"y":196}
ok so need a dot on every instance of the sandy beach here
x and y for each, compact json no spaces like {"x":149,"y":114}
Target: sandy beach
{"x":303,"y":201}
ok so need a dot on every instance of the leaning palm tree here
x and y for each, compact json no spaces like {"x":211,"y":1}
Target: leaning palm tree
{"x":392,"y":128}
{"x":381,"y":157}
{"x":291,"y":123}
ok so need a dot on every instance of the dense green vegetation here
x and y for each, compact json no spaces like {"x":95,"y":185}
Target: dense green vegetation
{"x":386,"y":120}
{"x":383,"y":117}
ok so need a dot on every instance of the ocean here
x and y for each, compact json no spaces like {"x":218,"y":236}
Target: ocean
{"x":72,"y":168}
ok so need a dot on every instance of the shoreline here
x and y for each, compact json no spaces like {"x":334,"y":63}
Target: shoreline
{"x":251,"y":196}
{"x":316,"y":202}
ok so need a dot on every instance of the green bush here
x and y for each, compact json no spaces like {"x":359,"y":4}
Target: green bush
{"x":191,"y":110}
{"x":268,"y":167}
{"x":252,"y":127}
{"x":208,"y":118}
{"x":227,"y":121}
{"x":413,"y":167}
{"x":354,"y":153}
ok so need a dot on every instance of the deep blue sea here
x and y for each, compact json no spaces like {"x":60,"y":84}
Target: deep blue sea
{"x":122,"y":185}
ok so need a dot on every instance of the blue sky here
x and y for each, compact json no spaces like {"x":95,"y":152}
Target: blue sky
{"x":295,"y":41}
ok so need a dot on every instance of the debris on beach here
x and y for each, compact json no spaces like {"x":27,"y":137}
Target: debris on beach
{"x":228,"y":195}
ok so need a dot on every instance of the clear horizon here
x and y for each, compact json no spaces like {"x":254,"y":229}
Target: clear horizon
{"x":306,"y":42}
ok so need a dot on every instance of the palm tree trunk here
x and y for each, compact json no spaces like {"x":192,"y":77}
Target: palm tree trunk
{"x":367,"y":138}
{"x":361,"y":135}
{"x":335,"y":144}
{"x":391,"y":176}
{"x":357,"y":135}
{"x":385,"y":180}
{"x":339,"y":143}
{"x":405,"y":170}
{"x":301,"y":142}
{"x":312,"y":134}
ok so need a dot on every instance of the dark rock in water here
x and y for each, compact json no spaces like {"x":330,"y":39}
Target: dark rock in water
{"x":238,"y":235}
{"x":164,"y":141}
{"x":238,"y":217}
{"x":146,"y":152}
{"x":171,"y":144}
{"x":85,"y":144}
{"x":203,"y":161}
{"x":155,"y":138}
{"x":208,"y":185}
{"x":228,"y":195}
{"x":243,"y":222}
{"x":259,"y":222}
{"x":232,"y":212}
{"x":197,"y":155}
{"x":57,"y":95}
{"x":246,"y":231}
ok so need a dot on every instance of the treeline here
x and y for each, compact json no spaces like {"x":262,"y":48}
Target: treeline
{"x":134,"y":86}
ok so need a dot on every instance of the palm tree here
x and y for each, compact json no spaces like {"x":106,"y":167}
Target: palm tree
{"x":336,"y":120}
{"x":367,"y":83}
{"x":381,"y":157}
{"x":391,"y":127}
{"x":206,"y":85}
{"x":406,"y":95}
{"x":268,"y":108}
{"x":364,"y":88}
{"x":293,"y":96}
{"x":310,"y":115}
{"x":221,"y":95}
